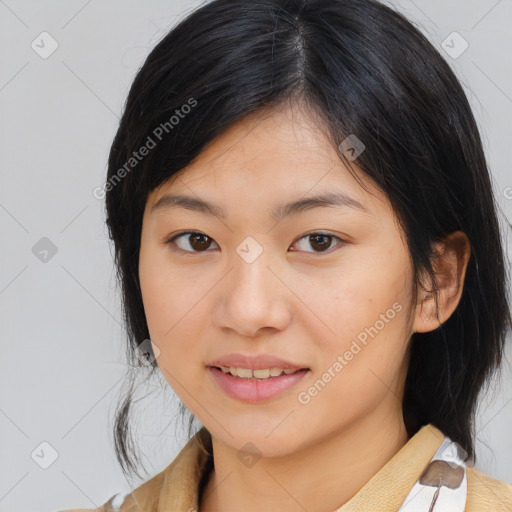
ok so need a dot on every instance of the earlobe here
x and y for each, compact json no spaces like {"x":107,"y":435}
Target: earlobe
{"x":449,"y":264}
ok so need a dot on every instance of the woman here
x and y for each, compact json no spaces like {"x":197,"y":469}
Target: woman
{"x":307,"y":243}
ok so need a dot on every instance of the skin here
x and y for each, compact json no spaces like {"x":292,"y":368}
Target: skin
{"x":296,"y":301}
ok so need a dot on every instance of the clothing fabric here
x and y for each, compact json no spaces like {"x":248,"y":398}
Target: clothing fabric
{"x":427,"y":475}
{"x":443,"y":484}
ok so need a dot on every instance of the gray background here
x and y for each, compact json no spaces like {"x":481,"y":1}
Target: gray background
{"x":61,"y":363}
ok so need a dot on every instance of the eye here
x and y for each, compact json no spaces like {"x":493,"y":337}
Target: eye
{"x":194,"y":241}
{"x":321,"y":242}
{"x":199,"y":242}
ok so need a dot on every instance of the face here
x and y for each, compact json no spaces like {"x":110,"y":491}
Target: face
{"x":322,"y":287}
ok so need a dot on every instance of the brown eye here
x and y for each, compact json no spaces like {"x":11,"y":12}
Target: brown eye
{"x":199,"y":242}
{"x":320,"y":242}
{"x":194,"y":242}
{"x":190,"y":241}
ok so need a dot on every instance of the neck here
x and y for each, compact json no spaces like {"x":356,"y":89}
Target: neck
{"x":328,"y":473}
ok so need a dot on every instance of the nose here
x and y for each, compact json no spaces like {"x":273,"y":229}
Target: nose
{"x":253,"y":298}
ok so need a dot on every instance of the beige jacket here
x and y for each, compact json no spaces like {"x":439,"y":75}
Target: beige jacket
{"x":177,"y":487}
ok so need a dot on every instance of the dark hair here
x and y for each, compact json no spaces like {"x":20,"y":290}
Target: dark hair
{"x":359,"y":68}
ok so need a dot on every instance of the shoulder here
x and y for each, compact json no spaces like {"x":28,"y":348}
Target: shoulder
{"x":146,"y":497}
{"x":114,"y":504}
{"x":177,"y":484}
{"x":117,"y":503}
{"x":486,"y":493}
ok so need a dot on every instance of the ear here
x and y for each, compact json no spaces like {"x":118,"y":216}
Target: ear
{"x":449,"y":264}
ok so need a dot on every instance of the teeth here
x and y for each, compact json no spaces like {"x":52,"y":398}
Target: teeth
{"x":248,"y":373}
{"x":241,"y":372}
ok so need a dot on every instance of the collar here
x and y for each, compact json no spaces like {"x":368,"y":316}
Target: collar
{"x":179,"y":485}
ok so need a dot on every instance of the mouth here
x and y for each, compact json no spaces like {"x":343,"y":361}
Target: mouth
{"x":251,"y":388}
{"x":258,"y":374}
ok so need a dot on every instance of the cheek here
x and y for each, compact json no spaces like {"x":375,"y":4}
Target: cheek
{"x":360,"y":318}
{"x":168,"y":295}
{"x":360,"y":369}
{"x":344,"y":303}
{"x":174,"y":328}
{"x":174,"y":309}
{"x":159,"y":300}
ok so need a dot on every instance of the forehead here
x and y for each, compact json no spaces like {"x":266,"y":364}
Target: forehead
{"x":266,"y":157}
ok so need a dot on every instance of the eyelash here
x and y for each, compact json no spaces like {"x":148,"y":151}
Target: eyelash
{"x":172,"y":245}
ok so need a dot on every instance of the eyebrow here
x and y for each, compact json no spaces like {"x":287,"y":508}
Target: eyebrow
{"x":326,"y":199}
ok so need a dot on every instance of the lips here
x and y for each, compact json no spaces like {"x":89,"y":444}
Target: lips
{"x":256,"y":362}
{"x":256,"y":390}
